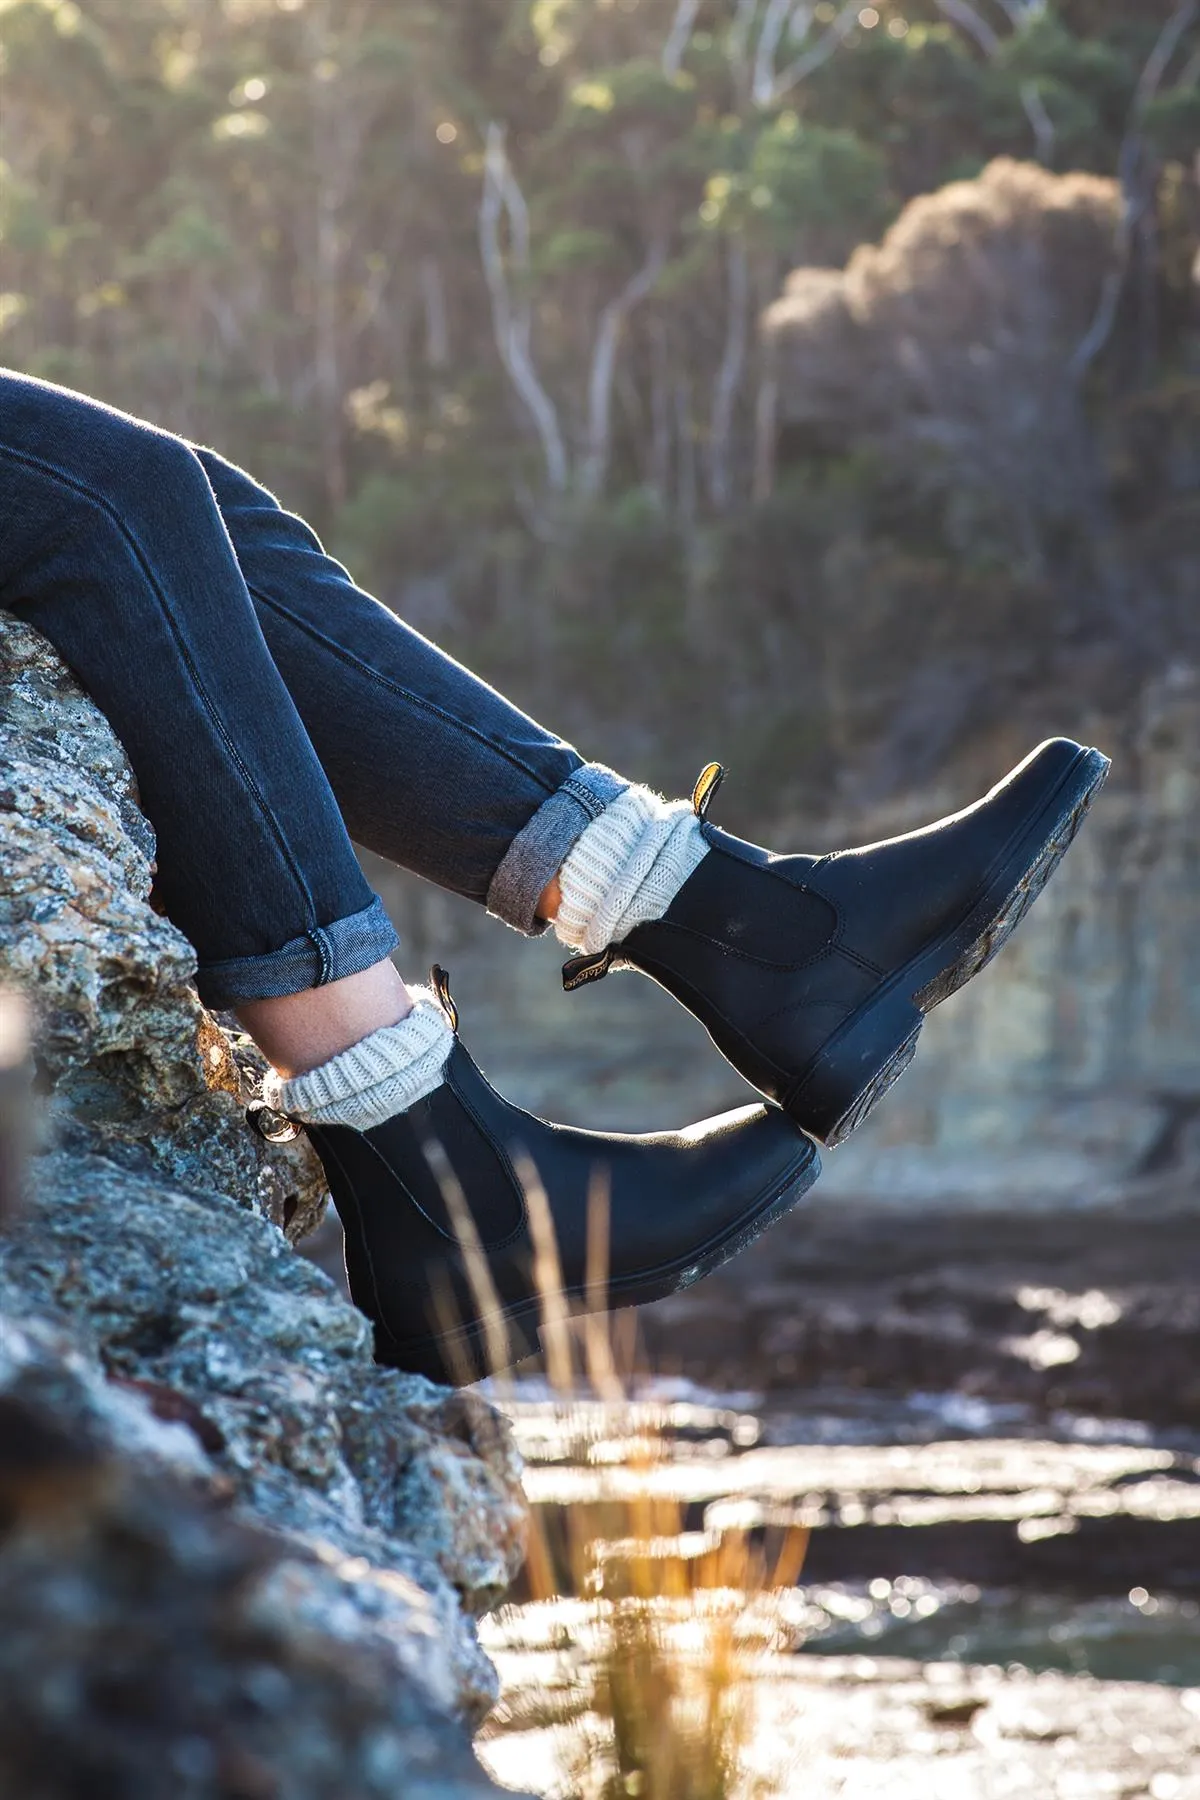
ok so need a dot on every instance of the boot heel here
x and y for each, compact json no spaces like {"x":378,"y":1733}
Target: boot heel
{"x":855,"y":1071}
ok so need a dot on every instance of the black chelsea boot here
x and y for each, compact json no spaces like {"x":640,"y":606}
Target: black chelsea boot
{"x":813,"y":975}
{"x":436,"y":1207}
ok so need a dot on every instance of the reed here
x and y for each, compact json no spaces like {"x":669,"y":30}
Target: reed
{"x":656,"y":1630}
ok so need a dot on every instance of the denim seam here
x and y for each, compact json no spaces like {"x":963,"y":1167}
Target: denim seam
{"x":314,"y":958}
{"x":321,"y":940}
{"x":590,"y":802}
{"x":395,"y":687}
{"x":115,"y":518}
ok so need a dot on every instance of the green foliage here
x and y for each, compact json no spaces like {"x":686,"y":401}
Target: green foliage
{"x":1173,"y":123}
{"x":260,"y":224}
{"x":799,"y":184}
{"x":638,"y":655}
{"x":917,"y":98}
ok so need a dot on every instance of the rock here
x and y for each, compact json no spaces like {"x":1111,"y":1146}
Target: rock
{"x":218,"y":1394}
{"x":1069,"y":1073}
{"x":138,"y":1069}
{"x":157,"y":1646}
{"x":207,"y":1312}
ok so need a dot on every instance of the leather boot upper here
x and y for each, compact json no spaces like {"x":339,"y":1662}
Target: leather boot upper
{"x":669,"y":1200}
{"x":774,"y":954}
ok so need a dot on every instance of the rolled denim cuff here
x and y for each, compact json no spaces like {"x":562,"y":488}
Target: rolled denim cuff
{"x":540,"y":848}
{"x":326,"y":953}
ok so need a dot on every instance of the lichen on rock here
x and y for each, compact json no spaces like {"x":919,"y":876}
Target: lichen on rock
{"x":150,"y":1278}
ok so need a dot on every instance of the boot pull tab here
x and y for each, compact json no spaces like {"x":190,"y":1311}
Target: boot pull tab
{"x":711,"y":777}
{"x":579,"y":970}
{"x":273,"y":1126}
{"x":439,"y":981}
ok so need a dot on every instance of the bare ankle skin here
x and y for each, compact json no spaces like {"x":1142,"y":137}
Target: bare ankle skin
{"x":298,"y":1032}
{"x":551,"y":900}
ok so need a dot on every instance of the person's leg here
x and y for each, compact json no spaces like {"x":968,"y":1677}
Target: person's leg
{"x":299,"y":1032}
{"x":432,"y":768}
{"x":112,"y":544}
{"x":812,"y":975}
{"x":113,"y":547}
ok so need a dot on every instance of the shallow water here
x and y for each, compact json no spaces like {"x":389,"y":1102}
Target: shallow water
{"x":899,"y":1678}
{"x":719,"y":1444}
{"x":1155,"y":1638}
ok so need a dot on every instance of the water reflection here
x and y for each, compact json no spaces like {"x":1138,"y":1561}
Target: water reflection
{"x":968,"y":1562}
{"x":947,"y":1478}
{"x":1113,"y":1639}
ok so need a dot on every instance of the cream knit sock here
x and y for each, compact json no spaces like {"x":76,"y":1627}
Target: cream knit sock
{"x":382,"y":1075}
{"x":626,"y":869}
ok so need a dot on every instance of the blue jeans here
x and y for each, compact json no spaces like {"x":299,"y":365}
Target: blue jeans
{"x":271,"y":710}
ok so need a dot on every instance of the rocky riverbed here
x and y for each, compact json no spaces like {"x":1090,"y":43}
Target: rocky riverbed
{"x":862,"y":1728}
{"x":989,"y":1425}
{"x":978,"y":1616}
{"x":1093,"y":1310}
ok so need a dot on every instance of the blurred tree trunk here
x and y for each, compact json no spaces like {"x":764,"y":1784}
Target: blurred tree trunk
{"x":328,"y":195}
{"x":729,"y":376}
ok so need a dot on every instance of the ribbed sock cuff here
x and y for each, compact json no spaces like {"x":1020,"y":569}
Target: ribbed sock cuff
{"x":382,"y":1075}
{"x":626,"y":868}
{"x":542,"y":846}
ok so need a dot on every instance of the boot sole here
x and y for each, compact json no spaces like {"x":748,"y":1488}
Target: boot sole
{"x":870,"y":1052}
{"x":452,"y":1356}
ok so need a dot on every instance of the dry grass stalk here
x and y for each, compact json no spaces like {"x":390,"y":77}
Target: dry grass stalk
{"x":655,"y":1690}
